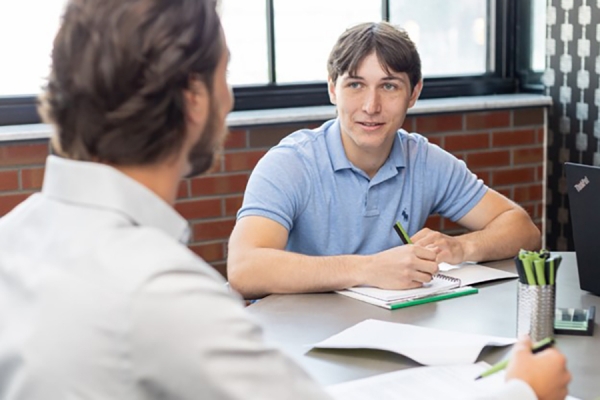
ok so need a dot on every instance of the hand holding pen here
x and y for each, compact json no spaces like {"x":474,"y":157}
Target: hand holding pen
{"x":401,"y":267}
{"x":545,"y":372}
{"x":536,"y":348}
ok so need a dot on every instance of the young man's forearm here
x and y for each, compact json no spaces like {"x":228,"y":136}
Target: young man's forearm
{"x":264,"y":271}
{"x":502,"y":238}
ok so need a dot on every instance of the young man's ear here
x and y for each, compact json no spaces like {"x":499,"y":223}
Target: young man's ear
{"x":331,"y":91}
{"x":416,"y":92}
{"x":197,"y":101}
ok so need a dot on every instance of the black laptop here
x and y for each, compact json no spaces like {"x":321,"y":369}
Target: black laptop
{"x":583,"y":183}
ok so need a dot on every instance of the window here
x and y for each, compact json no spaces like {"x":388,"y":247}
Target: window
{"x":25,"y":47}
{"x":531,"y":53}
{"x":538,"y":38}
{"x":279,"y":47}
{"x":244,"y":22}
{"x":301,"y":49}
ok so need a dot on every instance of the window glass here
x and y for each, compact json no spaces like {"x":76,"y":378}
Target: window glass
{"x":26,"y":51}
{"x":245,"y":25}
{"x":451,"y":36}
{"x":27,"y":29}
{"x":538,"y":38}
{"x":304,"y":36}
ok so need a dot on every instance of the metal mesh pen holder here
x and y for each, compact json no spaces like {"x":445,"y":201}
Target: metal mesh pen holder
{"x":535,"y":311}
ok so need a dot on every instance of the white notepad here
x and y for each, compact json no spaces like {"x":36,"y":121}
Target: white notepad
{"x":453,"y":277}
{"x":439,"y":283}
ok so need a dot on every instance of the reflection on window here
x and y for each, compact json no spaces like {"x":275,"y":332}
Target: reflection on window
{"x":538,"y":38}
{"x":244,"y":22}
{"x":304,"y":37}
{"x":27,"y":29}
{"x":451,"y":36}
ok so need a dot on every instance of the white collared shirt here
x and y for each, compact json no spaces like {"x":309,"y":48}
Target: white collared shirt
{"x":101,"y":299}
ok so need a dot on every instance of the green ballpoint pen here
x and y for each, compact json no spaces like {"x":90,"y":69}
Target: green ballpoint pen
{"x":402,"y":233}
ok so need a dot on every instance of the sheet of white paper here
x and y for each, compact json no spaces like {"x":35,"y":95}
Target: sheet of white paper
{"x":447,"y":267}
{"x":470,"y":274}
{"x":426,"y":346}
{"x":424,"y":383}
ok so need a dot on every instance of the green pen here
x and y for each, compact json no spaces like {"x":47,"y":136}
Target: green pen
{"x":537,"y":347}
{"x":540,"y":272}
{"x":458,"y":292}
{"x":525,"y":257}
{"x":402,"y":233}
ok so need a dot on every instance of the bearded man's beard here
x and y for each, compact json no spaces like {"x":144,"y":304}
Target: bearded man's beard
{"x":207,"y":152}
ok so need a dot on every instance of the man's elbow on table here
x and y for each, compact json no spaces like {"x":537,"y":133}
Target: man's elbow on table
{"x":242,"y":278}
{"x":532,"y":237}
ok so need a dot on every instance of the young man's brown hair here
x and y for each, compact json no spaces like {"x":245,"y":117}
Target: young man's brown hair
{"x":393,"y":47}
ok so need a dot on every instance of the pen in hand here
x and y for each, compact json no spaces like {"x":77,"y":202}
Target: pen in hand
{"x":537,"y":347}
{"x":402,"y":233}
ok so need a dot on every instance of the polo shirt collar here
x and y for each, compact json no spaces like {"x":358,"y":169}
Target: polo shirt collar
{"x":337,"y":154}
{"x":100,"y":186}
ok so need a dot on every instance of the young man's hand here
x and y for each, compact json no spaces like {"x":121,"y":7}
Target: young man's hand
{"x":449,"y":249}
{"x":402,"y":267}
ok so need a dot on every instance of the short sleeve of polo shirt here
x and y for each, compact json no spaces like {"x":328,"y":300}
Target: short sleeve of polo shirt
{"x":278,"y":188}
{"x":455,"y":188}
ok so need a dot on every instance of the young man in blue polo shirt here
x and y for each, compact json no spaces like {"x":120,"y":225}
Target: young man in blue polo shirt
{"x":319,"y":208}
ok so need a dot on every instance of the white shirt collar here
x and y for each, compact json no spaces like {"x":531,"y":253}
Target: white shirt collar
{"x":101,"y":186}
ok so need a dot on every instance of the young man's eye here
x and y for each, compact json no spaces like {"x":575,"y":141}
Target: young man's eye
{"x":354,"y":85}
{"x":389,"y":86}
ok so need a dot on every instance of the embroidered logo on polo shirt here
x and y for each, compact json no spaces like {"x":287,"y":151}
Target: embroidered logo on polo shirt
{"x":405,"y":215}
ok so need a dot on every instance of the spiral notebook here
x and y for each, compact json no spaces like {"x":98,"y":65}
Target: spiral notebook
{"x":439,"y":283}
{"x":452,"y":283}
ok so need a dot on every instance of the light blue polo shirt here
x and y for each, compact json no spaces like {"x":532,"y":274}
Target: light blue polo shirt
{"x":330,"y":207}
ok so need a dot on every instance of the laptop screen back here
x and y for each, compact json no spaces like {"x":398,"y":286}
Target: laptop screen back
{"x":583,"y":187}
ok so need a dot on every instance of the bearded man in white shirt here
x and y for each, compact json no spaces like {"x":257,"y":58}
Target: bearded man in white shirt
{"x":99,"y":296}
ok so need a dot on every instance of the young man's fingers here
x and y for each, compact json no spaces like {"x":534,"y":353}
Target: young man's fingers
{"x":422,"y":277}
{"x":425,"y":253}
{"x":421,"y":235}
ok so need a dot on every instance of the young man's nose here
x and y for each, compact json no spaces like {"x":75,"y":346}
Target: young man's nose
{"x":372,"y":102}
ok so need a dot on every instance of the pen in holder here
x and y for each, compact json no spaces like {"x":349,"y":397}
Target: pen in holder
{"x":536,"y":294}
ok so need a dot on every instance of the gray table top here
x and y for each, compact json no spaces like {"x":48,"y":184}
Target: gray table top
{"x":294,"y":321}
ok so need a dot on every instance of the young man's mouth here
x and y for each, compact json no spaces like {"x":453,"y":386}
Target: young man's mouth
{"x":370,"y":126}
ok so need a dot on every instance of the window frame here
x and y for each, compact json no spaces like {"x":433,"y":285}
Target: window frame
{"x":508,"y":47}
{"x":529,"y":80}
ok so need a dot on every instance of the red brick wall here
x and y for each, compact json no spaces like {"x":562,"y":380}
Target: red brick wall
{"x":504,"y":148}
